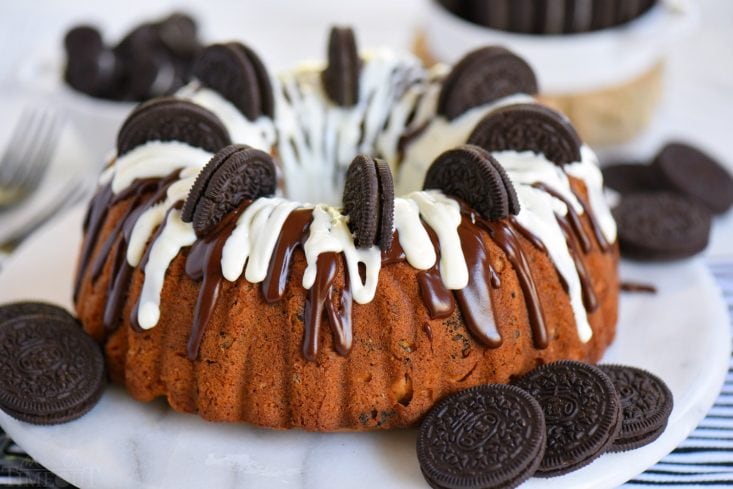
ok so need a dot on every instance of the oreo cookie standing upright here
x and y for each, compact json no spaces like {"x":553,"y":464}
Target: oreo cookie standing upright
{"x":341,"y":76}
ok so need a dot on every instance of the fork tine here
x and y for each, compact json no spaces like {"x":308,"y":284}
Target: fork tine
{"x":22,"y":151}
{"x":45,"y":146}
{"x":16,"y":138}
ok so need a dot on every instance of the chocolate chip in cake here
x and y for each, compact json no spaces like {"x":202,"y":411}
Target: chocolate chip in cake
{"x":236,"y":72}
{"x":483,"y":76}
{"x":171,"y":119}
{"x":53,"y":372}
{"x":341,"y":76}
{"x":32,"y":308}
{"x":646,"y":402}
{"x":483,"y":437}
{"x":368,"y":202}
{"x":626,"y":178}
{"x":691,"y":172}
{"x":582,"y":413}
{"x":471,"y":174}
{"x":528,"y":127}
{"x":235,"y":174}
{"x":661,"y":226}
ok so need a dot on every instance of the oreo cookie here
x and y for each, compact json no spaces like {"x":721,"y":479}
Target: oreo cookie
{"x":693,"y":173}
{"x":235,"y":174}
{"x":53,"y":372}
{"x":341,"y":76}
{"x":368,"y":201}
{"x":90,"y":67}
{"x":627,"y":178}
{"x":483,"y":76}
{"x":471,"y":174}
{"x":582,"y":413}
{"x":486,"y":436}
{"x":646,"y":402}
{"x":31,"y":308}
{"x":238,"y":74}
{"x":171,"y":119}
{"x":661,"y":226}
{"x":528,"y":127}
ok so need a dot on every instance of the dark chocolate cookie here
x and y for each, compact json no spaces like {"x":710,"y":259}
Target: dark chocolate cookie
{"x":646,"y":402}
{"x":171,"y":119}
{"x":51,"y":371}
{"x":341,"y":76}
{"x":485,"y":436}
{"x":368,"y":201}
{"x":471,"y":174}
{"x":32,"y":308}
{"x":692,"y":173}
{"x":483,"y":76}
{"x":661,"y":226}
{"x":582,"y":413}
{"x":626,"y":178}
{"x":528,"y":127}
{"x":238,"y":74}
{"x":235,"y":174}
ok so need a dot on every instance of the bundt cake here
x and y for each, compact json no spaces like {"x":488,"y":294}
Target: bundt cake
{"x":211,"y":282}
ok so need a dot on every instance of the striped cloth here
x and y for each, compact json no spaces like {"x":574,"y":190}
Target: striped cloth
{"x":705,"y":459}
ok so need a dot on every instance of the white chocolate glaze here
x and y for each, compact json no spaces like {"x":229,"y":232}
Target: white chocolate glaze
{"x":315,"y":140}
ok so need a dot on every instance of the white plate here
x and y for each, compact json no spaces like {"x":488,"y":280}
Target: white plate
{"x":681,"y":334}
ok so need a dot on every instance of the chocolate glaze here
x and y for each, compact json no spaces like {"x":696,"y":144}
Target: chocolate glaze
{"x":93,"y":221}
{"x":291,"y":237}
{"x":438,"y":300}
{"x":572,"y":216}
{"x":638,"y":287}
{"x":590,"y":300}
{"x":597,"y":231}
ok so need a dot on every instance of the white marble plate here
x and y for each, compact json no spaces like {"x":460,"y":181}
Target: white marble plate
{"x":681,"y":334}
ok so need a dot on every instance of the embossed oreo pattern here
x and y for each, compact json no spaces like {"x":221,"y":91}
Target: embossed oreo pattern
{"x":486,"y":436}
{"x":582,"y":413}
{"x":361,"y":200}
{"x":528,"y":127}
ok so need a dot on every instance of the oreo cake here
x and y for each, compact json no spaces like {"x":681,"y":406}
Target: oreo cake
{"x":342,"y":245}
{"x":598,"y":61}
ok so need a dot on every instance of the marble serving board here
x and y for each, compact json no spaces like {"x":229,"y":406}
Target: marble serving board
{"x":681,"y":333}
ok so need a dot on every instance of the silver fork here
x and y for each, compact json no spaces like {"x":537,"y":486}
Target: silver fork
{"x":28,"y":154}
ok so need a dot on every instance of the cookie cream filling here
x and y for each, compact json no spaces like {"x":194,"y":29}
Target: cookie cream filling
{"x":314,"y":142}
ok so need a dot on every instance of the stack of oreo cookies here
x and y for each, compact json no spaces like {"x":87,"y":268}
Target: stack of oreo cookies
{"x":51,"y":370}
{"x":666,"y":207}
{"x":548,"y":16}
{"x":552,"y":421}
{"x":155,"y":58}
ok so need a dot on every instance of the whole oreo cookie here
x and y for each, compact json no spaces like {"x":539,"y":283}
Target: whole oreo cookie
{"x":171,"y":119}
{"x":482,"y":76}
{"x":235,"y":174}
{"x":368,"y":201}
{"x":486,"y":436}
{"x":528,"y":127}
{"x":582,"y":413}
{"x":661,"y":226}
{"x":646,"y":402}
{"x":52,"y":372}
{"x":692,"y":173}
{"x":31,"y":308}
{"x":238,"y":74}
{"x":473,"y":175}
{"x":626,"y":178}
{"x":341,"y":76}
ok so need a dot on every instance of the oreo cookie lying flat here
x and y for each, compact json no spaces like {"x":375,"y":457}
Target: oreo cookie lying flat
{"x":238,"y":74}
{"x":482,"y":76}
{"x":474,"y":176}
{"x":53,"y":372}
{"x":368,"y":201}
{"x":627,"y":178}
{"x":31,"y":308}
{"x":489,"y":436}
{"x":528,"y":127}
{"x":235,"y":174}
{"x":341,"y":76}
{"x":582,"y":413}
{"x":692,"y":173}
{"x":661,"y":226}
{"x":171,"y":119}
{"x":646,"y":402}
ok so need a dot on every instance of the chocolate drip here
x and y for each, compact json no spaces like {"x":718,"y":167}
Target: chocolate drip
{"x":318,"y":295}
{"x":292,"y":236}
{"x":590,"y":301}
{"x":395,"y":254}
{"x":204,"y":263}
{"x":597,"y":231}
{"x":339,"y":317}
{"x":572,"y":216}
{"x":436,"y":297}
{"x":637,"y":287}
{"x":527,"y":234}
{"x":475,"y":298}
{"x":506,"y":238}
{"x":92,"y":226}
